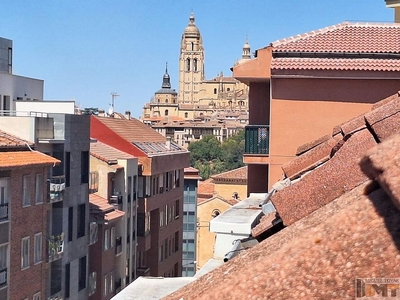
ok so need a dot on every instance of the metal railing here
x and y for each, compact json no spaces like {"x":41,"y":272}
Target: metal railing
{"x":3,"y":211}
{"x":57,"y":188}
{"x":256,"y":139}
{"x":55,"y":246}
{"x":115,"y":199}
{"x":3,"y":276}
{"x":15,"y":113}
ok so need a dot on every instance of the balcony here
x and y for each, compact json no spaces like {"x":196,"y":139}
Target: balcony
{"x":3,"y":277}
{"x":3,"y":211}
{"x":257,"y":139}
{"x":118,"y":245}
{"x":57,"y":188}
{"x":115,"y":200}
{"x":55,"y":247}
{"x":118,"y":284}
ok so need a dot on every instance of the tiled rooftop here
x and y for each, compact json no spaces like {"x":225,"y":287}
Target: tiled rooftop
{"x":100,"y":206}
{"x":236,"y":174}
{"x":345,"y":46}
{"x":107,"y":153}
{"x":10,"y":141}
{"x":12,"y":159}
{"x":340,"y":224}
{"x":345,"y":37}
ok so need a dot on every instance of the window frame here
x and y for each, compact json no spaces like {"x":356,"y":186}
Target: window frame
{"x":25,"y":243}
{"x":39,"y":188}
{"x":38,"y":248}
{"x":26,"y":199}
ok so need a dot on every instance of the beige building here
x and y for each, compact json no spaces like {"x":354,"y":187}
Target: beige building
{"x":197,"y":97}
{"x":216,"y":195}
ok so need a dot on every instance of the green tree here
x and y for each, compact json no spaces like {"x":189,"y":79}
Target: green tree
{"x":205,"y":150}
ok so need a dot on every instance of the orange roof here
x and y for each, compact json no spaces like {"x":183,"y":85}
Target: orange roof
{"x":100,"y":205}
{"x":9,"y":141}
{"x":345,"y":37}
{"x":345,"y":46}
{"x":235,"y":174}
{"x":107,"y":153}
{"x":24,"y":159}
{"x":336,"y":214}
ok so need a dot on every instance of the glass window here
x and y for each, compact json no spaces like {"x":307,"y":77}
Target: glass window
{"x":25,"y":252}
{"x":112,"y":238}
{"x":39,"y":189}
{"x":38,"y":248}
{"x":106,"y":239}
{"x":25,"y":191}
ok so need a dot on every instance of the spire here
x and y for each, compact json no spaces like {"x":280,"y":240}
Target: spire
{"x":246,"y":54}
{"x":166,"y":79}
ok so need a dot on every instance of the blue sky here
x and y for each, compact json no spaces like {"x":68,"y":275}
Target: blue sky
{"x":84,"y":50}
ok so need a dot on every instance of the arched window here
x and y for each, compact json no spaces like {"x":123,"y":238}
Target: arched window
{"x":195,"y":64}
{"x":186,"y":114}
{"x":228,"y":89}
{"x":188,"y":64}
{"x":215,"y":91}
{"x":192,"y":44}
{"x":166,"y":112}
{"x":158,"y":100}
{"x":215,"y":213}
{"x":166,"y":100}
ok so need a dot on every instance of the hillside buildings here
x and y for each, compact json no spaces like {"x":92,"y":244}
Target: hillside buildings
{"x":217,"y":106}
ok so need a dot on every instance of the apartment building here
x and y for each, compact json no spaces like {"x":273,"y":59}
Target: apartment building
{"x":191,"y":179}
{"x":113,"y":195}
{"x":26,"y":246}
{"x":302,"y":86}
{"x":160,"y":191}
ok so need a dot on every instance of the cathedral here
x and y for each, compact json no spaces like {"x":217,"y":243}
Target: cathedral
{"x":197,"y":98}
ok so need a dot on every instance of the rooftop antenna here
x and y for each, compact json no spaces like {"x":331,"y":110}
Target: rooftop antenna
{"x":113,"y":96}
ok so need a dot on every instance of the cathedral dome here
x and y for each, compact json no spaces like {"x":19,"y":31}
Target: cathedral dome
{"x":191,"y":30}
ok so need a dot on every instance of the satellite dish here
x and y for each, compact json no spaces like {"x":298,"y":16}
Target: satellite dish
{"x":110,"y":110}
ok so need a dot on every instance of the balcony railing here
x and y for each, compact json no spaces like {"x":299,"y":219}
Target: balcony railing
{"x":3,"y":211}
{"x":3,"y":276}
{"x":118,"y":245}
{"x":55,"y":247}
{"x":143,"y":271}
{"x":115,"y":200}
{"x":257,"y":139}
{"x":57,"y":188}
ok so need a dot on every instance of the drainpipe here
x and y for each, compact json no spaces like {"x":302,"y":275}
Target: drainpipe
{"x":234,"y":250}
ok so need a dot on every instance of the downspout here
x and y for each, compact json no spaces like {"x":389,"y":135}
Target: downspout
{"x":233,"y":252}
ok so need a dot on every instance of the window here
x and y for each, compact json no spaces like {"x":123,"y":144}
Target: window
{"x":25,"y":252}
{"x":166,"y":100}
{"x":188,"y":64}
{"x":26,"y":191}
{"x":67,"y":279}
{"x":176,"y":209}
{"x":37,"y":296}
{"x":93,"y":228}
{"x":112,"y":238}
{"x":93,"y":182}
{"x":4,"y":197}
{"x":195,"y":64}
{"x":215,"y":91}
{"x":161,"y":219}
{"x":39,"y":189}
{"x":3,"y":264}
{"x":215,"y":213}
{"x":84,"y":167}
{"x":166,"y":112}
{"x":81,"y":220}
{"x":92,"y":283}
{"x":70,"y":222}
{"x":38,"y":248}
{"x":186,"y":114}
{"x":82,"y":273}
{"x":67,"y":168}
{"x":106,"y":239}
{"x":177,"y":241}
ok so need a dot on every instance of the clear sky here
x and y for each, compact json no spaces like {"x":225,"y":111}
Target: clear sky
{"x":85,"y":50}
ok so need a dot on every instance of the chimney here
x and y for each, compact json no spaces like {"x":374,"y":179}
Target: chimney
{"x":101,"y":112}
{"x":128,"y":114}
{"x":168,"y":142}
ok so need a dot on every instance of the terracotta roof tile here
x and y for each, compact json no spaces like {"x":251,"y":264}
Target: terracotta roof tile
{"x":345,"y":37}
{"x":266,"y":223}
{"x":239,"y":173}
{"x":107,"y":153}
{"x":100,"y":205}
{"x":310,"y":159}
{"x":385,"y":101}
{"x":10,"y":141}
{"x":340,"y":174}
{"x":352,"y":125}
{"x":343,"y":64}
{"x":24,"y":159}
{"x":307,"y":146}
{"x":132,"y":130}
{"x":383,"y":163}
{"x":318,"y":257}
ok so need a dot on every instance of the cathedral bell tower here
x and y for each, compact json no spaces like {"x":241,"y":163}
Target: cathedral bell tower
{"x":191,"y":64}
